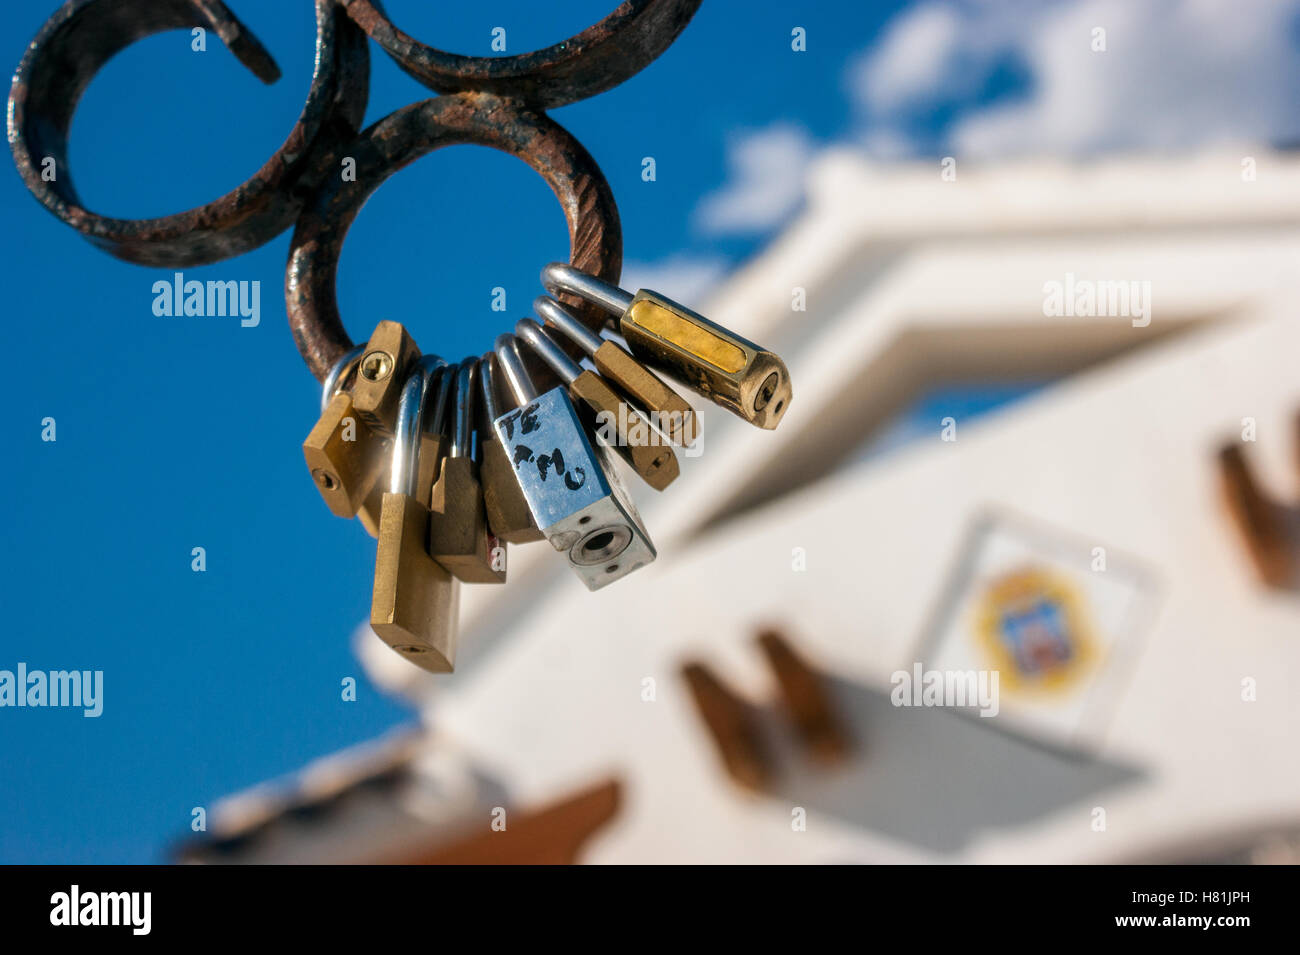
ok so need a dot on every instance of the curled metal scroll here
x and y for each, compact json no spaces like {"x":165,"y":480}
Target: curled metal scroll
{"x":489,"y":101}
{"x":85,"y":34}
{"x":600,"y":57}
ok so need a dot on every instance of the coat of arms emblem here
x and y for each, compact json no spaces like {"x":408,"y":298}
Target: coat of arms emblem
{"x":1032,"y":625}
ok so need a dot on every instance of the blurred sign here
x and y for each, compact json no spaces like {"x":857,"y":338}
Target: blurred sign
{"x":1059,"y":618}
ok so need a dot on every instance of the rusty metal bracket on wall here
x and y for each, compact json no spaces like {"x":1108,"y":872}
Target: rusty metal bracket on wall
{"x":487,"y":101}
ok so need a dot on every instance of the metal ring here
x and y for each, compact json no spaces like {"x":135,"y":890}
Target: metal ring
{"x":601,"y":56}
{"x":595,"y":234}
{"x":600,"y":545}
{"x":84,"y":34}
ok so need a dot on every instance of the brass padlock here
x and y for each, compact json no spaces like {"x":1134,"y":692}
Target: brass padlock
{"x":340,"y":375}
{"x":345,"y":457}
{"x":668,"y":411}
{"x":730,"y":371}
{"x":415,"y":601}
{"x":459,"y":536}
{"x":431,"y":449}
{"x":433,"y":438}
{"x":381,"y":372}
{"x":503,"y":499}
{"x":368,"y":513}
{"x":652,"y":459}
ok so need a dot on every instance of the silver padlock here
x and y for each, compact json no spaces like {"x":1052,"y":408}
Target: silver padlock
{"x":652,"y":460}
{"x":570,"y":483}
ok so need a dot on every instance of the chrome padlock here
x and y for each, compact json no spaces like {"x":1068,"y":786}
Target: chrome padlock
{"x":503,"y":499}
{"x":652,"y":459}
{"x":730,"y":371}
{"x":415,"y":601}
{"x":572,"y":489}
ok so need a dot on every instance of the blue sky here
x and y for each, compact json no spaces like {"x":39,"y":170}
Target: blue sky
{"x":181,"y":432}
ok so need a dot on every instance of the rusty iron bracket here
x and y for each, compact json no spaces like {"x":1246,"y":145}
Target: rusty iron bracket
{"x":489,"y":101}
{"x":1269,"y":528}
{"x":742,"y":732}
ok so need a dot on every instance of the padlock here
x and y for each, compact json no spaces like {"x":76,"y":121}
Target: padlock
{"x":571,"y":486}
{"x":345,"y":457}
{"x":340,"y":374}
{"x":381,"y":372}
{"x":729,"y":370}
{"x":415,"y":601}
{"x":433,"y":439}
{"x":668,"y":411}
{"x":431,"y":451}
{"x":368,"y":512}
{"x":653,"y":460}
{"x":459,"y":537}
{"x":503,"y":499}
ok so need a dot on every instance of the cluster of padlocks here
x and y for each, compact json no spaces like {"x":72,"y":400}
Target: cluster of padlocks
{"x":447,"y":464}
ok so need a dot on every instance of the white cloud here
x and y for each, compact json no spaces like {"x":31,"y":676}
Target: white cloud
{"x":911,"y":61}
{"x":766,"y":170}
{"x":886,"y":145}
{"x":933,"y":53}
{"x":1176,"y":74}
{"x":685,"y":278}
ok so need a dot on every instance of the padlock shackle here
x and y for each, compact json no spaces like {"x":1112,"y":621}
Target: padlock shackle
{"x":549,"y":352}
{"x":562,"y":277}
{"x":435,"y":419}
{"x":410,"y":425}
{"x":568,"y":324}
{"x":512,"y":366}
{"x":462,"y":426}
{"x":487,"y":379}
{"x":337,"y":373}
